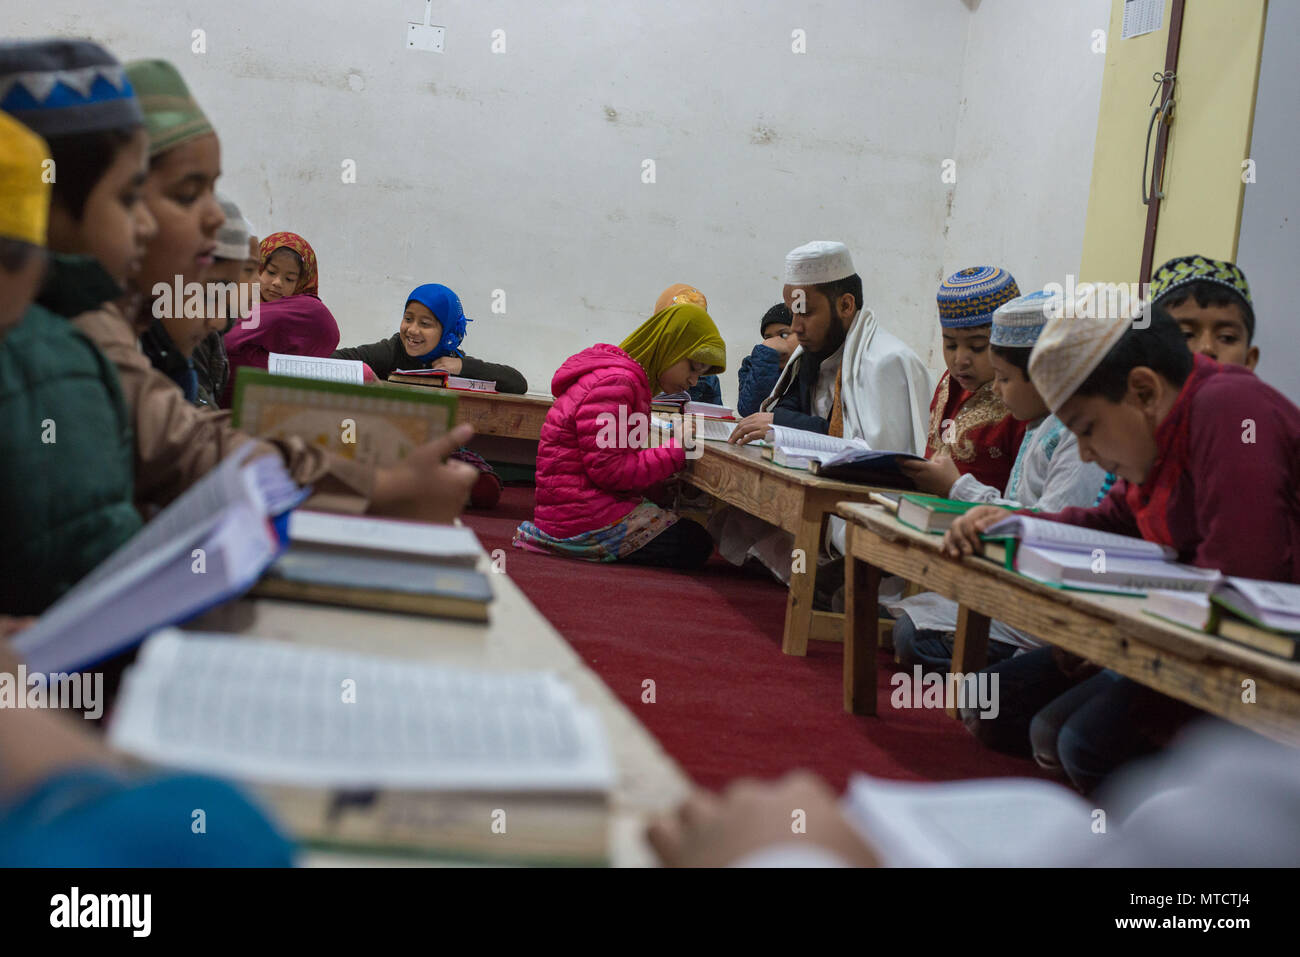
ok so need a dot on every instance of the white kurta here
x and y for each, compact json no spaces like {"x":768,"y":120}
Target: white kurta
{"x":1048,"y":475}
{"x":885,"y":398}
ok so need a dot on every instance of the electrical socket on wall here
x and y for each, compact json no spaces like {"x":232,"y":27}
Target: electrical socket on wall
{"x":425,"y":36}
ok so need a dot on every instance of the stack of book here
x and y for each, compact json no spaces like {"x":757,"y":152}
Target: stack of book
{"x":442,"y":379}
{"x":380,"y":564}
{"x":367,"y":752}
{"x":1261,"y":614}
{"x":929,"y":513}
{"x":1070,"y":556}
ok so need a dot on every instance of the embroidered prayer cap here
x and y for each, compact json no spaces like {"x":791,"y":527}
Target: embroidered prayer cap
{"x":170,"y":113}
{"x":1073,"y":343}
{"x":818,"y":262}
{"x":681,"y":294}
{"x":61,"y":87}
{"x":969,"y":297}
{"x":24,"y":192}
{"x":1019,"y":322}
{"x":1185,"y":270}
{"x":233,"y":236}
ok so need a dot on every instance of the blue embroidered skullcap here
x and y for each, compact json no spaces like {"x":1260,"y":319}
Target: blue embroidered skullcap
{"x":62,"y":87}
{"x":971,"y":296}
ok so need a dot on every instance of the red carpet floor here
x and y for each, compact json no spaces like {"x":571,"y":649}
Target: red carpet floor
{"x":728,"y":702}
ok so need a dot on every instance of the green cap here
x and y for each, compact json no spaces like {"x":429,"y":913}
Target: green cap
{"x":171,"y":114}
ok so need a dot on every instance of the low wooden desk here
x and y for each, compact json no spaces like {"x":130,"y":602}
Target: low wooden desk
{"x":495,"y":413}
{"x":517,"y":637}
{"x":792,"y":499}
{"x":1110,"y":630}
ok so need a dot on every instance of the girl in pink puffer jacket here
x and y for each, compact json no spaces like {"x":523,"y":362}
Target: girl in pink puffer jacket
{"x":593,"y":468}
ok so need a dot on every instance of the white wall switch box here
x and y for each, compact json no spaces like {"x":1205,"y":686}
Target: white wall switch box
{"x":425,"y":36}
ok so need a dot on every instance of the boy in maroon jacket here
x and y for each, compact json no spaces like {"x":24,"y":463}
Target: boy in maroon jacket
{"x":1209,"y":464}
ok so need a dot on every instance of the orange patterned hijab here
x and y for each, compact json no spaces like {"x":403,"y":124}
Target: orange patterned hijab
{"x":307,"y":281}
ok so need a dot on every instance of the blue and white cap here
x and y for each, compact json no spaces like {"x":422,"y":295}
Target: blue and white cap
{"x":1017,"y":323}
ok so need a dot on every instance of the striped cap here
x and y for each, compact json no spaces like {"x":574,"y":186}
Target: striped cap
{"x":969,"y":297}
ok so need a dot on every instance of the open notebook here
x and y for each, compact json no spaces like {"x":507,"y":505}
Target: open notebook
{"x":456,"y":743}
{"x":210,"y":545}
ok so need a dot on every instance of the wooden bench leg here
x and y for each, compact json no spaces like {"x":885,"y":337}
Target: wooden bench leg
{"x":970,"y":647}
{"x":861,"y":632}
{"x":803,"y":585}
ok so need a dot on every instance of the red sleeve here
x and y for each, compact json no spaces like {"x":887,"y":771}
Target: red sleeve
{"x":1111,"y":514}
{"x":1242,"y":487}
{"x":611,"y":464}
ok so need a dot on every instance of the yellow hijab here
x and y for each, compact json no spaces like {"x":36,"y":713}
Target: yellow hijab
{"x":679,"y":332}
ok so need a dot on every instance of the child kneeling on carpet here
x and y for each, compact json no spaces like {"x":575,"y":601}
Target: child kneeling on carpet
{"x":593,"y":473}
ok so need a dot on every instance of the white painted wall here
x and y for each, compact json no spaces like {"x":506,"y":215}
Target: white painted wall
{"x":522,"y":171}
{"x":1269,"y":243}
{"x":1030,"y":92}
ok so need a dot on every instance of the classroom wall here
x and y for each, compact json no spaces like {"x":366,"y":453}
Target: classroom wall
{"x":523,"y":171}
{"x":1270,"y":217}
{"x":1030,"y":90}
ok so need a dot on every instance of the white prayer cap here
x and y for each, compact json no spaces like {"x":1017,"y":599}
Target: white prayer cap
{"x":818,"y":262}
{"x":1075,"y":341}
{"x":233,"y":236}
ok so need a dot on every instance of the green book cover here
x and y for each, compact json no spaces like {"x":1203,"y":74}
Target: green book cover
{"x":356,"y":422}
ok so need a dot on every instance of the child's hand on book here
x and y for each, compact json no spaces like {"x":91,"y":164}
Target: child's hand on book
{"x":963,"y":536}
{"x":425,"y":486}
{"x":451,"y":363}
{"x":934,"y":476}
{"x":714,"y":831}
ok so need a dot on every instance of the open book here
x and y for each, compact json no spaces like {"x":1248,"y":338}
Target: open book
{"x":711,"y":430}
{"x":311,"y":367}
{"x":833,"y":457}
{"x":422,"y":754}
{"x":208,"y":546}
{"x":993,"y":823}
{"x":1071,"y":556}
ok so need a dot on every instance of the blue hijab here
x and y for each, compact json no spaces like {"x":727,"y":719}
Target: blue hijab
{"x":446,"y":308}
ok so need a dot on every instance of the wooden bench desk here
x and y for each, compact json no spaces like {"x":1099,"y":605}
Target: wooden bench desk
{"x":1110,"y":630}
{"x":495,"y":413}
{"x":517,"y":637}
{"x":792,"y":499}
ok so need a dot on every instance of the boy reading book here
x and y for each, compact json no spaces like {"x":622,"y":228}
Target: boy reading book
{"x":1208,"y":459}
{"x":1047,"y":474}
{"x":970,"y":429}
